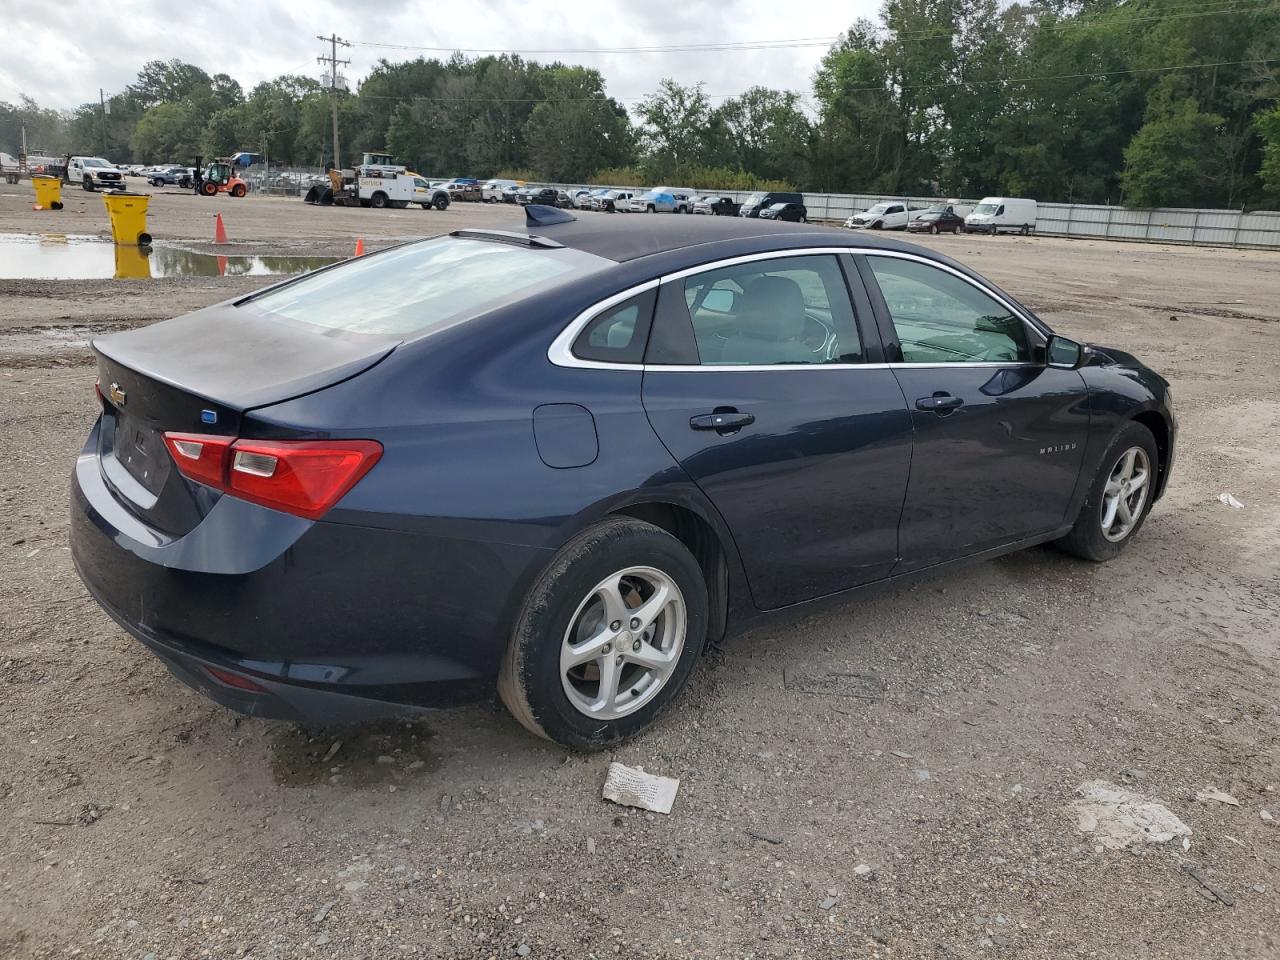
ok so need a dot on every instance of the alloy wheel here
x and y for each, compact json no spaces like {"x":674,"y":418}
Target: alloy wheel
{"x":1125,"y":494}
{"x":623,"y":642}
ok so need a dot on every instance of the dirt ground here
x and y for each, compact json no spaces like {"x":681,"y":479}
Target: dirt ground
{"x":892,"y":778}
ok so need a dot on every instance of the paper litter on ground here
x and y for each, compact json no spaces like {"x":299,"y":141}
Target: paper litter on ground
{"x":632,"y":787}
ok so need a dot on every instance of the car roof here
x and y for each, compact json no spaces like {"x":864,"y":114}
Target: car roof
{"x":630,"y":238}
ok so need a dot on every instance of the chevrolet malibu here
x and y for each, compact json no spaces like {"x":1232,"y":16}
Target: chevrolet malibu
{"x":563,"y":460}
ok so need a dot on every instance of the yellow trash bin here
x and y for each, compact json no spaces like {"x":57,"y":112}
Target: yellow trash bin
{"x":48,"y":192}
{"x":128,"y":215}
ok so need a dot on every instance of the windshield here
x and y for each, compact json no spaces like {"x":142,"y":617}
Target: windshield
{"x":937,"y":208}
{"x":878,"y":208}
{"x":986,"y":208}
{"x":95,"y":162}
{"x":778,"y":206}
{"x":419,"y":286}
{"x":930,"y":215}
{"x":755,"y":199}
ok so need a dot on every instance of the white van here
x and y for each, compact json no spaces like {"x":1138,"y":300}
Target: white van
{"x":1002,"y":215}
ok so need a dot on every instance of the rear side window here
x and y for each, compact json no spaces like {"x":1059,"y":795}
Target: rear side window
{"x":619,"y":334}
{"x":421,"y":286}
{"x":788,"y":310}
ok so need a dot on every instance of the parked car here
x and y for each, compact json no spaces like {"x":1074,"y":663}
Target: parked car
{"x":462,"y":188}
{"x":564,"y":200}
{"x":580,"y":197}
{"x":717,"y":205}
{"x":510,"y":193}
{"x":346,"y":506}
{"x":94,"y":173}
{"x":616,"y":201}
{"x":548,"y":196}
{"x":172,"y":176}
{"x":1002,"y":215}
{"x":684,"y":197}
{"x":653,"y":201}
{"x":754,"y":204}
{"x":939,"y":218}
{"x":791,"y":212}
{"x":492,"y":190}
{"x":592,"y":200}
{"x":889,"y":215}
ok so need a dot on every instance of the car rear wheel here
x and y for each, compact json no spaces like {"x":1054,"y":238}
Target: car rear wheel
{"x":1119,"y":498}
{"x":238,"y":190}
{"x":378,"y":201}
{"x":607,"y":637}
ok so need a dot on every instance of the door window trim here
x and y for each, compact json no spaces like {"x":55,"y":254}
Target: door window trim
{"x":561,"y":354}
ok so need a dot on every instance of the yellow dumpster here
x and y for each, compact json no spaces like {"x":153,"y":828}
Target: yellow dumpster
{"x":48,"y":192}
{"x":128,"y":215}
{"x":133,"y":263}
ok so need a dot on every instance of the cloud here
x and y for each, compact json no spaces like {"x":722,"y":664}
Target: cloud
{"x":66,"y":51}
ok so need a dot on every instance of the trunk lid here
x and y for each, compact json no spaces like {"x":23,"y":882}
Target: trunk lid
{"x":199,"y":374}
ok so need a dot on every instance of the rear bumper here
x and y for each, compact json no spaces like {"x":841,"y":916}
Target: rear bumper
{"x":333,"y":621}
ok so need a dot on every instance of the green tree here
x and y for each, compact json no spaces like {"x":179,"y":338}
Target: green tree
{"x":1268,"y":128}
{"x":676,"y":129}
{"x":578,"y":130}
{"x":1170,"y":161}
{"x":168,"y":132}
{"x":767,"y":133}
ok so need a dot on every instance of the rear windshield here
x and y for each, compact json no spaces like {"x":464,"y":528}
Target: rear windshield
{"x":420,"y":286}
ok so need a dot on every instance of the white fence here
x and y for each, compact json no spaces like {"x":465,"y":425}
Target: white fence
{"x":1230,"y":228}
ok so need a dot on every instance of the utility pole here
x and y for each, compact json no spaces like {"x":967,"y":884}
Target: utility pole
{"x":102,"y":103}
{"x":332,"y":60}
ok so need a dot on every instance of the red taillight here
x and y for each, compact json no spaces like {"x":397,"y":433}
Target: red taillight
{"x":234,"y":680}
{"x":302,"y":477}
{"x":202,"y":458}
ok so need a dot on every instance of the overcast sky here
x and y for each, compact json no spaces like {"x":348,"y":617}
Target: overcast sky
{"x":60,"y":53}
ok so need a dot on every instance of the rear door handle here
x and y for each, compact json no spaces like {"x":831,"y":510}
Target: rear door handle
{"x":939,"y":402}
{"x":723,"y":422}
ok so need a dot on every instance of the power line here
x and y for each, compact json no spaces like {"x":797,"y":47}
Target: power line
{"x":1222,"y":8}
{"x":883,"y":87}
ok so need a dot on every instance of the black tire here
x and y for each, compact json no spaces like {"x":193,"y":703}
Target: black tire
{"x":441,"y":202}
{"x":934,"y":230}
{"x":530,"y":681}
{"x":87,"y":183}
{"x":208,"y":188}
{"x":1086,"y":539}
{"x":56,"y":205}
{"x":378,"y":200}
{"x":239,"y":190}
{"x":878,"y":225}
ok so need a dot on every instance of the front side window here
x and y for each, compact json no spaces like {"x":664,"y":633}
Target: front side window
{"x":790,"y":310}
{"x":940,"y":318}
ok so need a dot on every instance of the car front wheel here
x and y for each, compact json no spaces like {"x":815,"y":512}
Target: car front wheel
{"x":607,"y":637}
{"x":1119,"y":498}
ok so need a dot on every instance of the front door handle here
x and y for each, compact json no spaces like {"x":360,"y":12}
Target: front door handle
{"x":939,"y":402}
{"x":722,"y":422}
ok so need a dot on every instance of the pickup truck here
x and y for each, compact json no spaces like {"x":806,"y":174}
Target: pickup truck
{"x":94,"y":173}
{"x":890,"y":215}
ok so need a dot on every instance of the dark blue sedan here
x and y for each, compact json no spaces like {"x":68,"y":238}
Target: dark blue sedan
{"x":562,"y":461}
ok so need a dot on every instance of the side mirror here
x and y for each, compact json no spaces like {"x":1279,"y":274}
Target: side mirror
{"x":1064,"y":354}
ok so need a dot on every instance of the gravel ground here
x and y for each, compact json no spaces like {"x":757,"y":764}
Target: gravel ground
{"x":892,"y":777}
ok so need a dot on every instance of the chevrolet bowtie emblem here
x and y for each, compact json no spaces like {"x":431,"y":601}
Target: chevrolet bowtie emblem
{"x":117,"y":395}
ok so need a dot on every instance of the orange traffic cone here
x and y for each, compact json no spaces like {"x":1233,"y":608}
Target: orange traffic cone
{"x":360,"y":246}
{"x":219,"y":231}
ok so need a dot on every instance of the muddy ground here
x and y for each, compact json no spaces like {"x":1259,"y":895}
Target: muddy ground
{"x":891,"y":778}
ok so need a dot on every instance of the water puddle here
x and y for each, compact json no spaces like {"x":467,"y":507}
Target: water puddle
{"x":77,"y":257}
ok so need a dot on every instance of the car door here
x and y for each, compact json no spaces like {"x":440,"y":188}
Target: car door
{"x":766,"y":385}
{"x":999,"y":436}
